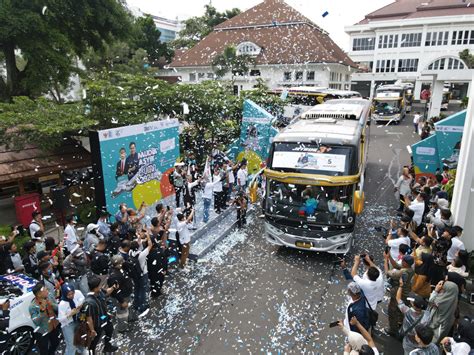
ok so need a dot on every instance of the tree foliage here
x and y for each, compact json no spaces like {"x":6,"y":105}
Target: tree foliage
{"x":198,"y":27}
{"x":467,"y":58}
{"x":231,"y":62}
{"x":48,"y":35}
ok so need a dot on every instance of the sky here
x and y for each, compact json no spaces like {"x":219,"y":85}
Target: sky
{"x":341,"y":12}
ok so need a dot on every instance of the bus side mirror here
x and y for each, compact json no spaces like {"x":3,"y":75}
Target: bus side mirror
{"x":253,"y":192}
{"x":359,"y":199}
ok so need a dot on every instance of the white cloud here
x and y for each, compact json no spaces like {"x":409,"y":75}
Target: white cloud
{"x":341,"y":12}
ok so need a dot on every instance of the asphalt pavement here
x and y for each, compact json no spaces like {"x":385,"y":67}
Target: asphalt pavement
{"x":248,"y":296}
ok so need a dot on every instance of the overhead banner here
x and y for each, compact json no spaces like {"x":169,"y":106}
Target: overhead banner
{"x":449,"y":135}
{"x":256,"y":133}
{"x":132,"y":163}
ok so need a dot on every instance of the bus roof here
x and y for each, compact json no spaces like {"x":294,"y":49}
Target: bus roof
{"x":318,"y":90}
{"x":390,"y":87}
{"x":334,"y":122}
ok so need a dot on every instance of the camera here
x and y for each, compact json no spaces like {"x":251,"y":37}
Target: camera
{"x":387,"y":249}
{"x":362,"y":256}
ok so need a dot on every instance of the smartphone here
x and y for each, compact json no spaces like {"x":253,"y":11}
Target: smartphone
{"x":167,"y":208}
{"x":333,"y":324}
{"x":404,"y":277}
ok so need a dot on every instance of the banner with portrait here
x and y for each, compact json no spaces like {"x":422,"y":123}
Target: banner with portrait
{"x":132,"y":163}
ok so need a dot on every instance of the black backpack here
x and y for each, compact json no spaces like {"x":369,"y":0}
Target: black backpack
{"x":135,"y":268}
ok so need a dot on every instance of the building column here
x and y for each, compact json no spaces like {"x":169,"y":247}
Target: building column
{"x":462,"y":204}
{"x":372,"y":89}
{"x":417,"y":90}
{"x":436,"y":97}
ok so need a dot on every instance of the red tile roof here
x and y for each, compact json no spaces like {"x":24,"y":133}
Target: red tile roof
{"x":409,"y":9}
{"x":284,"y":35}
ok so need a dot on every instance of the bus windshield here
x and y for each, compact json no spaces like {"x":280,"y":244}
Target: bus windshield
{"x":387,"y":106}
{"x":313,"y":159}
{"x":311,"y":204}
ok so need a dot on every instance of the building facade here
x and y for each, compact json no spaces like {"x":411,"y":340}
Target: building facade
{"x":169,"y":28}
{"x":414,"y":41}
{"x":288,"y":50}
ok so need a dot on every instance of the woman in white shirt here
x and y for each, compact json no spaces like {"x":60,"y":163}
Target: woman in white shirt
{"x":403,"y":186}
{"x":68,"y":309}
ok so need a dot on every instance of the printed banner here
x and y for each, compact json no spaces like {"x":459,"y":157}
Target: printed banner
{"x":449,"y":136}
{"x":309,"y":161}
{"x":135,"y":162}
{"x":425,"y":156}
{"x":255,"y":137}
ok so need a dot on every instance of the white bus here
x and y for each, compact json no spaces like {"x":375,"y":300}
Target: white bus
{"x":389,"y":103}
{"x":314,"y":187}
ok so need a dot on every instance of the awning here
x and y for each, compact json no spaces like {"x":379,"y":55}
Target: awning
{"x":31,"y":162}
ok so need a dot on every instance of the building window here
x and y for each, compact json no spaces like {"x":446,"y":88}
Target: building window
{"x":436,"y":39}
{"x":411,"y":40}
{"x":366,"y":66}
{"x":210,"y":75}
{"x":299,"y":75}
{"x":462,"y":37}
{"x":446,"y":63}
{"x":248,"y":48}
{"x":310,"y":75}
{"x":255,"y":72}
{"x":192,"y":76}
{"x":388,"y":41}
{"x":335,"y":86}
{"x":385,"y":66}
{"x":408,"y":65}
{"x":348,"y":77}
{"x":287,"y":76}
{"x":363,"y":44}
{"x":201,"y":76}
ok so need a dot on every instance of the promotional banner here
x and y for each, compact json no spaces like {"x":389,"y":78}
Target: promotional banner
{"x":425,"y":157}
{"x":132,"y":163}
{"x":255,"y":137}
{"x":448,"y":137}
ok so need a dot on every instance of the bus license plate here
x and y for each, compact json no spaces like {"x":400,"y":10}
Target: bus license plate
{"x":306,"y":245}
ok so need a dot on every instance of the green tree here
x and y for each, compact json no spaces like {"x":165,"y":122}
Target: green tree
{"x":261,"y":95}
{"x":198,"y":27}
{"x":467,"y":57}
{"x":48,"y":35}
{"x":40,"y":122}
{"x":148,"y":38}
{"x":231,"y":62}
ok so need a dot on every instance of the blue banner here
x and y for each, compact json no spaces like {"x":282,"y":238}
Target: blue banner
{"x":136,"y":161}
{"x":425,"y":156}
{"x":256,"y":133}
{"x":448,"y":136}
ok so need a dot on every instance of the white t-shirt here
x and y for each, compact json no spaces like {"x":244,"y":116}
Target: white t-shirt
{"x":455,"y":247}
{"x":394,"y":244}
{"x":183,"y":230}
{"x":242,"y":177}
{"x":70,"y":237}
{"x":34,"y":227}
{"x":231,"y":175}
{"x":64,"y":308}
{"x":217,"y":187}
{"x":418,"y":208}
{"x":209,"y":189}
{"x":416,"y":118}
{"x":373,"y":290}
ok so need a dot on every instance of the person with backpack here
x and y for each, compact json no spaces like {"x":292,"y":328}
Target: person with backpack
{"x":97,"y":318}
{"x":415,"y":314}
{"x":100,"y":261}
{"x":139,"y":269}
{"x":36,"y":224}
{"x":122,"y":291}
{"x":68,"y":309}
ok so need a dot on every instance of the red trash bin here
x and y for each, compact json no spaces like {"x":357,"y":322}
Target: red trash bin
{"x":24,"y":207}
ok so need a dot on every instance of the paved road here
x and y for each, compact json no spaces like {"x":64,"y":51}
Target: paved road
{"x":250,"y":297}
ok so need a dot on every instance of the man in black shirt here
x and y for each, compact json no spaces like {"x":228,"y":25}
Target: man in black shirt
{"x":98,"y":320}
{"x":100,"y":261}
{"x":122,"y":292}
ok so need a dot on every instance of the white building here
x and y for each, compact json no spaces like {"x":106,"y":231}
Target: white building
{"x":288,"y":48}
{"x":415,"y":41}
{"x":169,"y":28}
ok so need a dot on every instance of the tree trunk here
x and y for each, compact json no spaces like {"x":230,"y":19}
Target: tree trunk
{"x":13,"y":73}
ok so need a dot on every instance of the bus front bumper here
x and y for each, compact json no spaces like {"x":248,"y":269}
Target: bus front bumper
{"x":378,"y":118}
{"x":338,"y":244}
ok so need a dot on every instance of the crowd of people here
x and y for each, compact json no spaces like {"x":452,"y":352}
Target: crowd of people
{"x":89,"y":285}
{"x":425,"y":265}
